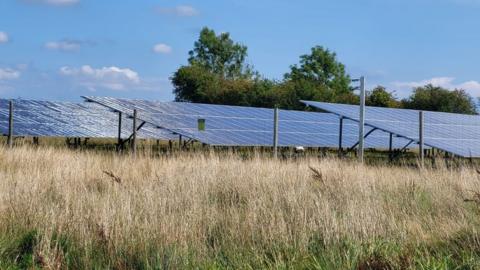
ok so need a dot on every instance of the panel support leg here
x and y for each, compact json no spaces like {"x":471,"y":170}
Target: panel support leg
{"x":421,"y":139}
{"x":10,"y":125}
{"x":275,"y":133}
{"x":119,"y":135}
{"x":390,"y":147}
{"x":340,"y":138}
{"x":361,"y":123}
{"x":134,"y":133}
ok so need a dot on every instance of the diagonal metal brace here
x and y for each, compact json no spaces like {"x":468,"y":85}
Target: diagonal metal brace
{"x":131,"y":135}
{"x":364,"y":137}
{"x":402,"y":150}
{"x":187,"y":142}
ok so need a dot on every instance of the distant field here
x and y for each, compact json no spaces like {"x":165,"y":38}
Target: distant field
{"x":61,"y":208}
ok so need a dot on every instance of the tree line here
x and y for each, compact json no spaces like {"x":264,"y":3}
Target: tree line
{"x":217,"y":73}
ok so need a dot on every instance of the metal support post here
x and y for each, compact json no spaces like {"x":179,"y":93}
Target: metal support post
{"x":340,"y":138}
{"x":134,"y":132}
{"x":390,"y":147}
{"x":275,"y":132}
{"x":421,"y":137}
{"x":119,"y":138}
{"x":10,"y":124}
{"x":361,"y":124}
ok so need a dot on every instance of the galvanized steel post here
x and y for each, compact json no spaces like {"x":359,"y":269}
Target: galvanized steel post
{"x":361,"y":123}
{"x":134,"y":133}
{"x":340,"y":138}
{"x":275,"y":132}
{"x":119,"y":138}
{"x":390,"y":147}
{"x":10,"y":124}
{"x":421,"y":137}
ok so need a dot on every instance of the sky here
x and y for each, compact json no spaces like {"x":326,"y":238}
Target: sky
{"x":62,"y":49}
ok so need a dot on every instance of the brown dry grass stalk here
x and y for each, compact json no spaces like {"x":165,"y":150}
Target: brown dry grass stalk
{"x":204,"y":201}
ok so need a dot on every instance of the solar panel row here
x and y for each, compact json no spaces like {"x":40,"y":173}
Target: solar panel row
{"x":241,"y":126}
{"x":455,"y":133}
{"x":67,"y":119}
{"x":246,"y":126}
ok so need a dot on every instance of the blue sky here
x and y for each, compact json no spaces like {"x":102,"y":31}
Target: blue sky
{"x":61,"y":49}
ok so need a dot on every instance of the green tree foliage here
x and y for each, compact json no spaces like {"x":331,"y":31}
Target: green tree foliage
{"x":217,"y":73}
{"x":433,"y":98}
{"x":195,"y":84}
{"x":318,"y":76}
{"x":380,"y":97}
{"x":220,"y":55}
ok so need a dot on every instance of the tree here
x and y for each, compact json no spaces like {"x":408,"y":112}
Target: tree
{"x":216,"y":73}
{"x":434,"y":98}
{"x":195,"y":84}
{"x":318,"y":76}
{"x":220,"y":55}
{"x":380,"y":97}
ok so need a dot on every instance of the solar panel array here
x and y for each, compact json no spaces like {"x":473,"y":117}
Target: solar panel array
{"x":246,"y":126}
{"x":67,"y":119}
{"x":455,"y":133}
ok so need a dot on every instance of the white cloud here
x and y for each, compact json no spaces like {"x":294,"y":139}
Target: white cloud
{"x":54,"y":2}
{"x":472,"y":87}
{"x":63,"y":45}
{"x":3,"y":37}
{"x":182,"y":11}
{"x":437,"y":81}
{"x":162,"y":48}
{"x":9,"y":74}
{"x":113,"y":78}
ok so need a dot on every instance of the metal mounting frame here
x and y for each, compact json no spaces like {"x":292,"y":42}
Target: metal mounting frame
{"x":122,"y":142}
{"x":364,"y":137}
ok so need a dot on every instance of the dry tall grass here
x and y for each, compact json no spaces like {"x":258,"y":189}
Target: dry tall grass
{"x":101,"y":210}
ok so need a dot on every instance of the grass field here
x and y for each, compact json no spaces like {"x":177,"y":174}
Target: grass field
{"x":61,"y":208}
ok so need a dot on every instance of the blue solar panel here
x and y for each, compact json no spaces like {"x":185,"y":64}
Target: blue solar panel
{"x":66,"y":119}
{"x":455,"y":133}
{"x":246,"y":126}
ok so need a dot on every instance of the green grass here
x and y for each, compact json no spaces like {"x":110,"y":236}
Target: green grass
{"x":462,"y":251}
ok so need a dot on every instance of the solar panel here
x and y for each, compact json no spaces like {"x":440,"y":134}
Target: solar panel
{"x":246,"y":126}
{"x":67,"y":119}
{"x":455,"y":133}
